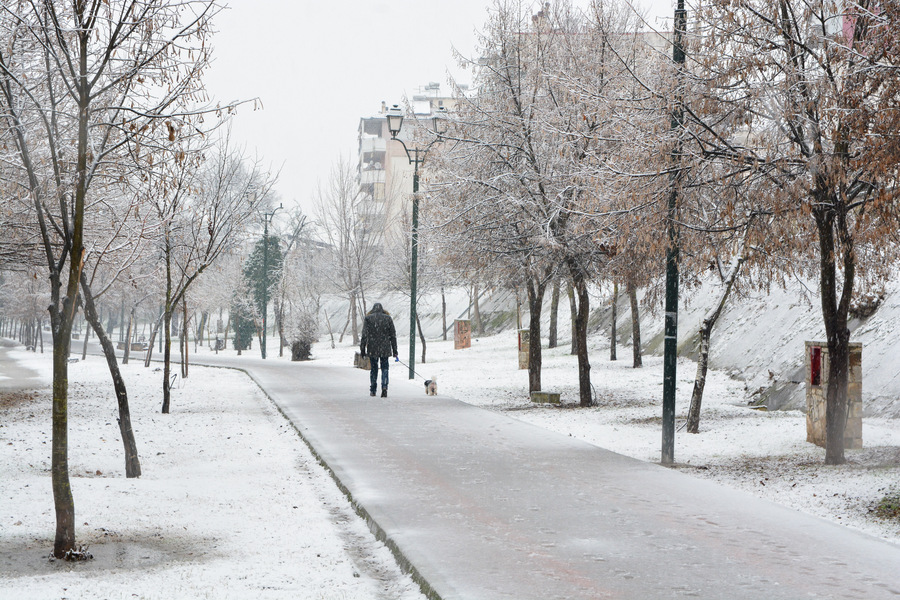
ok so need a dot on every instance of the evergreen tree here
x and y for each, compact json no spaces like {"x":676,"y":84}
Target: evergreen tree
{"x":243,"y":322}
{"x":261,"y":276}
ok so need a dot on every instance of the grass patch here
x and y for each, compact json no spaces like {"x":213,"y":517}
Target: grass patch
{"x":889,"y":507}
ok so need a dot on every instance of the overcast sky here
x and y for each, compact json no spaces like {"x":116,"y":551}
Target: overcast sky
{"x":317,"y":67}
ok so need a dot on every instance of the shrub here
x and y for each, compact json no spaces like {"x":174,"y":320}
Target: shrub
{"x":301,"y":330}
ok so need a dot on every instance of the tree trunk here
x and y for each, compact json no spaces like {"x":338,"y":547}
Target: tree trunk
{"x":261,"y":330}
{"x":444,"y":313}
{"x":121,"y":320}
{"x":554,"y":315}
{"x":836,"y":395}
{"x":167,"y":356}
{"x":127,"y":352}
{"x":227,"y":331}
{"x":185,"y":331}
{"x":421,"y":336}
{"x":635,"y":325}
{"x":536,"y":291}
{"x":346,"y":323}
{"x":353,"y":319}
{"x":693,"y":423}
{"x":167,"y":334}
{"x":573,"y":313}
{"x":204,"y":318}
{"x":831,"y":222}
{"x":87,"y":334}
{"x":612,"y":333}
{"x":362,"y":300}
{"x":238,"y":342}
{"x":279,"y":317}
{"x":152,"y":341}
{"x":478,"y":325}
{"x":330,"y":332}
{"x":518,"y":310}
{"x":132,"y":462}
{"x":63,"y":502}
{"x":580,"y":334}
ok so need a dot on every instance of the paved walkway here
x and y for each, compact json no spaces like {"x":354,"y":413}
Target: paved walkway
{"x":13,"y":376}
{"x":481,"y":506}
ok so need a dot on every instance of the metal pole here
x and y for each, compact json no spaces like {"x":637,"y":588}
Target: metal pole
{"x":265,"y":281}
{"x":413,"y":268}
{"x":670,"y":349}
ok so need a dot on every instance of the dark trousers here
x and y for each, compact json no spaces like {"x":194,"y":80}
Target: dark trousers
{"x":373,"y":374}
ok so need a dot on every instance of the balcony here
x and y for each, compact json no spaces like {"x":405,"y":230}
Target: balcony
{"x":372,"y":144}
{"x":371,"y":176}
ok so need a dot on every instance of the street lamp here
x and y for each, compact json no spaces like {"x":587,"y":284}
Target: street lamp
{"x":670,"y":347}
{"x":416,"y":157}
{"x":267,"y":217}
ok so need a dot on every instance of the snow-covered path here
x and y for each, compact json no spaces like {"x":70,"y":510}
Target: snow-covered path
{"x":14,"y":375}
{"x":484,"y":506}
{"x":231,"y":504}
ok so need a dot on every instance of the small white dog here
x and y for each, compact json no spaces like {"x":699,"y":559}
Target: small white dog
{"x":431,"y":386}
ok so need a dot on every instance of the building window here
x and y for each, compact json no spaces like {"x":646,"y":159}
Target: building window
{"x":372,"y":127}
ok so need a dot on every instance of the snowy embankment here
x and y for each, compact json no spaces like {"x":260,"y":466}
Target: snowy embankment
{"x":759,"y":338}
{"x":231,"y":503}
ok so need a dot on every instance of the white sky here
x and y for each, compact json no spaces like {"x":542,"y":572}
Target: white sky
{"x":317,"y":67}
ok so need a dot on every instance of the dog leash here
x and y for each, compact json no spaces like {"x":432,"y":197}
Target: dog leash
{"x":397,"y":359}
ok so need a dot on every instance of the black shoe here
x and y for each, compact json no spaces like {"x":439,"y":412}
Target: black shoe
{"x":383,"y":393}
{"x":372,"y":393}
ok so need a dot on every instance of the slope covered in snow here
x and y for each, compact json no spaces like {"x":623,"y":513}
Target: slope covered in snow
{"x":758,"y":340}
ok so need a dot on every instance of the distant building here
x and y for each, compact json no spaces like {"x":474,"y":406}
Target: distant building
{"x":385,"y":174}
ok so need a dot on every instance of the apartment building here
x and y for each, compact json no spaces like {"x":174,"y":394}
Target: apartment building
{"x":385,"y":173}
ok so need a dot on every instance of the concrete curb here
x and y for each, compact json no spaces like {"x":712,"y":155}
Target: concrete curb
{"x":377,"y":530}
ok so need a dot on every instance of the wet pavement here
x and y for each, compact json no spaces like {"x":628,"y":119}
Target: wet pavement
{"x":14,"y":376}
{"x":478,"y":505}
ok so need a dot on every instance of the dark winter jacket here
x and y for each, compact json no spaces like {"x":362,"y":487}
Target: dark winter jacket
{"x":378,"y":335}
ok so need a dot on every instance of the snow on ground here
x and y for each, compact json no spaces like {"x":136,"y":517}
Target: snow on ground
{"x":231,"y":503}
{"x":764,"y":453}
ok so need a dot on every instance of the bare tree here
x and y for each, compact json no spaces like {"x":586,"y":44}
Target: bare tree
{"x":528,"y":163}
{"x":806,"y":94}
{"x":76,"y":81}
{"x":202,"y":204}
{"x":353,"y":234}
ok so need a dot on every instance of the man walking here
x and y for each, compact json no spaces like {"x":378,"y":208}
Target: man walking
{"x":379,"y":342}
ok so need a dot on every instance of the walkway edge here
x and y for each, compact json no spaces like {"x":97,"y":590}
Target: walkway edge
{"x":377,"y":530}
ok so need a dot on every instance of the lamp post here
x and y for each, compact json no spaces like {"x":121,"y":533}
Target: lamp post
{"x":416,"y":157}
{"x":670,"y":347}
{"x":267,"y":217}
